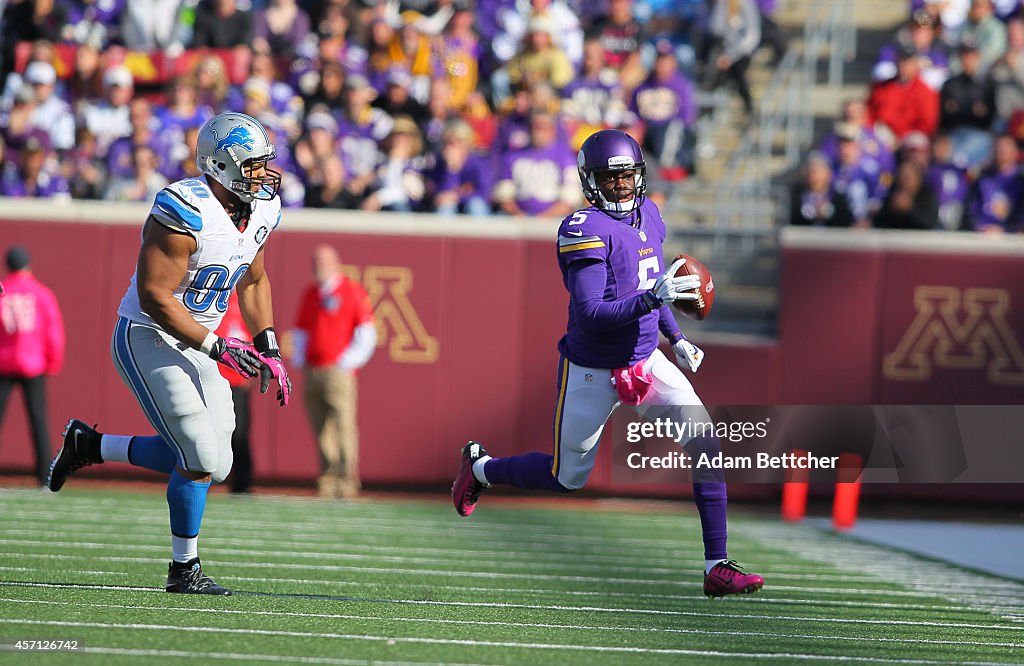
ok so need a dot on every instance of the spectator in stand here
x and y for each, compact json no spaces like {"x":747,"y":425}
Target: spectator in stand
{"x":331,"y":190}
{"x":735,"y":26}
{"x":330,"y":89}
{"x":513,"y":23}
{"x":292,"y":191}
{"x":399,"y":178}
{"x":361,"y":128}
{"x":37,"y":174}
{"x":514,"y":123}
{"x":31,"y":347}
{"x":86,"y":82}
{"x":212,"y":81}
{"x":857,"y":178}
{"x":279,"y":28}
{"x":154,"y":25}
{"x":396,"y":100}
{"x":438,"y":114}
{"x":256,"y":102}
{"x":814,"y":202}
{"x":319,"y":143}
{"x":905,"y":103}
{"x":17,"y":122}
{"x":220,"y":24}
{"x":233,"y":326}
{"x":621,"y":35}
{"x":912,"y":203}
{"x":83,"y":168}
{"x":110,"y":118}
{"x":51,"y":114}
{"x":950,"y":14}
{"x":182,"y":111}
{"x":409,"y":48}
{"x":666,"y":104}
{"x":459,"y":53}
{"x":284,"y":102}
{"x":334,"y":337}
{"x":143,"y":184}
{"x":949,"y":180}
{"x":771,"y":35}
{"x":93,"y":20}
{"x":182,"y":163}
{"x":593,"y":100}
{"x":921,"y":35}
{"x":539,"y":59}
{"x":462,"y":179}
{"x":146,"y":131}
{"x":1007,"y":74}
{"x":994,"y":203}
{"x":872,"y":147}
{"x":985,"y":29}
{"x":541,"y":180}
{"x":968,"y":108}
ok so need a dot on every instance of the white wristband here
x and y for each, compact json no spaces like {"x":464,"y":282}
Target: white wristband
{"x":208,"y":342}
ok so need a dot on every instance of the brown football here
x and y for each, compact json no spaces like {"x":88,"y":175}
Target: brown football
{"x":700,"y":308}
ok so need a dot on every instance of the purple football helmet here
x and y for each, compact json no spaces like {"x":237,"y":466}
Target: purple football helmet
{"x":611,"y":150}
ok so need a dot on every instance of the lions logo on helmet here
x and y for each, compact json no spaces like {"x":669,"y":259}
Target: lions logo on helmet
{"x":611,"y":150}
{"x":228,"y":146}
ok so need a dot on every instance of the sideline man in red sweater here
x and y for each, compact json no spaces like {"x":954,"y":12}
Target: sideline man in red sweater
{"x":334,"y":337}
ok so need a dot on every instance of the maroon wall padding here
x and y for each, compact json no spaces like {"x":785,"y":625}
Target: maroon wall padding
{"x":470,"y":328}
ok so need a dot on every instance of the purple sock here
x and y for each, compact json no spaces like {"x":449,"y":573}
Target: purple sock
{"x":531,"y":471}
{"x":710,"y":497}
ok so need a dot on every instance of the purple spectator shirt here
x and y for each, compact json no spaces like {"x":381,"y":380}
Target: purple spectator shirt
{"x":590,"y":100}
{"x":996,"y":200}
{"x":871,"y":149}
{"x":47,"y":184}
{"x":631,"y":253}
{"x":950,"y":184}
{"x":539,"y":175}
{"x":862,"y":187}
{"x":474,"y":179}
{"x":662,"y":101}
{"x":513,"y":133}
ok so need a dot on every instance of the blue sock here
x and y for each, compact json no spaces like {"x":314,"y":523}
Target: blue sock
{"x":186,"y":500}
{"x":709,"y":495}
{"x":152,"y":453}
{"x":531,"y":471}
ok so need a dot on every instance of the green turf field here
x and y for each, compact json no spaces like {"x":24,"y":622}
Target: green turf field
{"x":409,"y":582}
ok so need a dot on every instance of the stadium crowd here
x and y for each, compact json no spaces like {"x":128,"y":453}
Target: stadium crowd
{"x":937,"y":143}
{"x":433,"y":105}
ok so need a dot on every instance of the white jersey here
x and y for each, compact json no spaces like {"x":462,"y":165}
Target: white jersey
{"x":222,"y":255}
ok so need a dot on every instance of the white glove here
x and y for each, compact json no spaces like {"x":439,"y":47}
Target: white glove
{"x":669,"y":288}
{"x":688,"y":354}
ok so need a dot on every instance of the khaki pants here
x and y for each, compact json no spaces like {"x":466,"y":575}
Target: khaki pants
{"x":330,"y":397}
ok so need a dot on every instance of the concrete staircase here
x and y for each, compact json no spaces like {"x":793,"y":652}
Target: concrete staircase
{"x":745,"y":264}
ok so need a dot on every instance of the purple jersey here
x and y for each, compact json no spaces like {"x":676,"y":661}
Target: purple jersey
{"x":871,"y":148}
{"x":662,"y":101}
{"x":995,"y":200}
{"x":540,"y":176}
{"x":47,"y":184}
{"x":633,"y":259}
{"x":358,"y":140}
{"x":950,"y":184}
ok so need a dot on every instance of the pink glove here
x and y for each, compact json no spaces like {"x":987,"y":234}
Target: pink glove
{"x":238,"y":355}
{"x":632,"y":383}
{"x":273,"y":368}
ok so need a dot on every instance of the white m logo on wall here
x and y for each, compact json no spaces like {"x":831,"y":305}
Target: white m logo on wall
{"x":982,"y":339}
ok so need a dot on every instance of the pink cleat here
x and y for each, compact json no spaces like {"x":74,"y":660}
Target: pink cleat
{"x":466,"y":489}
{"x":727,"y":578}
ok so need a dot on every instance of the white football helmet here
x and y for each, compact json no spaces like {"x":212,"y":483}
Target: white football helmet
{"x":227,"y":142}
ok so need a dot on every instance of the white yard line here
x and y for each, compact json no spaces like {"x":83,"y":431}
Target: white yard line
{"x":636,"y":611}
{"x":397,"y":640}
{"x":532,"y":625}
{"x":531,"y":591}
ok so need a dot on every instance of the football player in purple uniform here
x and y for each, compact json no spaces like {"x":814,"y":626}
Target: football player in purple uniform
{"x":610,"y":255}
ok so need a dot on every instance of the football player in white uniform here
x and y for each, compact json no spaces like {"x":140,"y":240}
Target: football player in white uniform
{"x":204,"y":237}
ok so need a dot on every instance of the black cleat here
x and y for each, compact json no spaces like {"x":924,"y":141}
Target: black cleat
{"x":81,"y":448}
{"x":188,"y":578}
